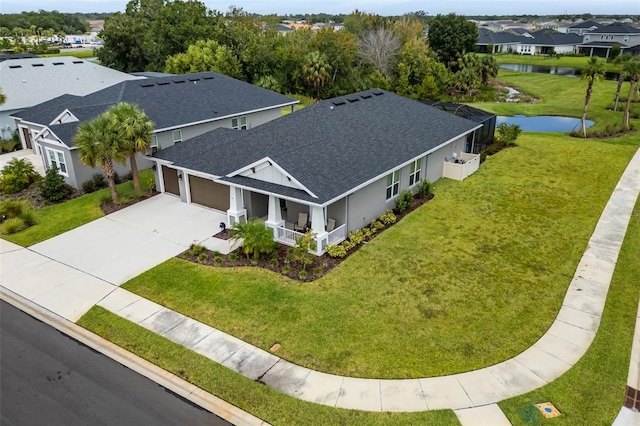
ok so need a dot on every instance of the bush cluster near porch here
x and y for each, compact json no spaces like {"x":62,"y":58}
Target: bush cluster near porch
{"x":473,"y":277}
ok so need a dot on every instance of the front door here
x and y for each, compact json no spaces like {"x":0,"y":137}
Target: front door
{"x":27,"y":137}
{"x":170,"y":177}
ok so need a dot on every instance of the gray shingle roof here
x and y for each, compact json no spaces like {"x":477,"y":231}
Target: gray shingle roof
{"x":489,"y":37}
{"x":586,"y":24}
{"x":616,"y":28}
{"x":168,"y":101}
{"x":553,"y":38}
{"x":331,"y":147}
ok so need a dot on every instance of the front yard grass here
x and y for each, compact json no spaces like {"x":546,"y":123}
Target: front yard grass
{"x":58,"y":218}
{"x":260,"y":400}
{"x":470,"y":279}
{"x":592,"y":392}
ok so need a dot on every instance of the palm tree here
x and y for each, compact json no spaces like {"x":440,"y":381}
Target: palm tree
{"x":317,"y":71}
{"x":100,"y":143}
{"x":257,"y":238}
{"x":632,"y":70}
{"x":623,"y":59}
{"x":594,"y":71}
{"x":136,"y":133}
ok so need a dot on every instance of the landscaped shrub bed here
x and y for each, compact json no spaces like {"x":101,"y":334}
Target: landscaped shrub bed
{"x":283,"y":259}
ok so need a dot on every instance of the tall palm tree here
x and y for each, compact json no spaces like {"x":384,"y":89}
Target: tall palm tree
{"x":632,"y":70}
{"x":100,"y":143}
{"x":317,"y":71}
{"x":622,"y":59}
{"x":136,"y":133}
{"x":594,"y":71}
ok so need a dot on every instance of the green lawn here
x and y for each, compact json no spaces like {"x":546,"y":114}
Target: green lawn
{"x":474,"y":277}
{"x":261,"y":401}
{"x":592,"y":392}
{"x":557,"y":61}
{"x":78,"y":53}
{"x":58,"y":218}
{"x":559,"y":96}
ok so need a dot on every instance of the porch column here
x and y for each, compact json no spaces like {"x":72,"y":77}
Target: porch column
{"x":187,"y":187}
{"x":274,"y":219}
{"x":160,"y":177}
{"x":236,"y":206}
{"x":318,"y":227}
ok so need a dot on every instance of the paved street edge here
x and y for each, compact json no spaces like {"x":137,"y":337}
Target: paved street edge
{"x":141,"y":366}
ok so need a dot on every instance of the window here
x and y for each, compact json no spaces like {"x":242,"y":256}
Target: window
{"x":239,"y":123}
{"x":57,"y":157}
{"x":177,"y":136}
{"x":393,"y":184}
{"x":154,"y":143}
{"x":414,"y":172}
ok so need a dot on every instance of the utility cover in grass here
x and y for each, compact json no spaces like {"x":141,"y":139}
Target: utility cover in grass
{"x":548,"y":410}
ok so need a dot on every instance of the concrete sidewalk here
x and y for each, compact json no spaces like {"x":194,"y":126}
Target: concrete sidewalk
{"x":553,"y":354}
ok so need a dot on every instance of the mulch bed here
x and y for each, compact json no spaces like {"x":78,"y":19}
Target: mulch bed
{"x":33,"y":196}
{"x":111,"y":207}
{"x":281,"y":261}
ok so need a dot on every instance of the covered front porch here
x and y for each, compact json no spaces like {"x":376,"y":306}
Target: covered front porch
{"x":290,"y":219}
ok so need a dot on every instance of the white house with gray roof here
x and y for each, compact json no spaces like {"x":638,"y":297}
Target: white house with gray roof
{"x":600,"y":41}
{"x":346,"y":159}
{"x":32,"y":81}
{"x":180,"y":107}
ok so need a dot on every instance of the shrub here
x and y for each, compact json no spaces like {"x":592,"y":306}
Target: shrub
{"x":88,"y":186}
{"x":356,"y":237}
{"x":387,"y":217}
{"x":348,"y":245}
{"x":29,"y":217}
{"x":285,"y":269}
{"x":202,"y":257}
{"x":301,"y":252}
{"x":506,"y":134}
{"x":404,"y":200}
{"x":217,"y":260}
{"x":196,"y":249}
{"x":233,"y":257}
{"x":377,"y":225}
{"x":258,"y":238}
{"x":97,"y":181}
{"x":302,"y":275}
{"x":317,"y":271}
{"x":11,"y":208}
{"x":424,"y":188}
{"x":274,"y":262}
{"x":336,"y":250}
{"x":13,"y":225}
{"x":116,"y":177}
{"x":17,"y":175}
{"x":53,"y":187}
{"x":366,"y":232}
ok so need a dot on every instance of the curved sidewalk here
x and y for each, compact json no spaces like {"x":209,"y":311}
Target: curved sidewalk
{"x":553,"y":354}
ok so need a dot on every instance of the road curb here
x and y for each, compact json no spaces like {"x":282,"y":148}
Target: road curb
{"x":141,"y":366}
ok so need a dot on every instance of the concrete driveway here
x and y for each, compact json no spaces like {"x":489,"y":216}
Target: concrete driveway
{"x":126,"y":243}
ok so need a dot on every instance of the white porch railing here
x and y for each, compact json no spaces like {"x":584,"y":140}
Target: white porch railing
{"x":287,"y":236}
{"x":337,"y":235}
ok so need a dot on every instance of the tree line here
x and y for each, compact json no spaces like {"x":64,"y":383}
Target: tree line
{"x":372,"y":51}
{"x":54,"y":20}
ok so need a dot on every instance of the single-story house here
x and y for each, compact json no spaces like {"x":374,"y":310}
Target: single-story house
{"x":545,"y":42}
{"x":180,"y":108}
{"x":600,"y":41}
{"x":502,"y":42}
{"x":345,"y":159}
{"x":31,"y":81}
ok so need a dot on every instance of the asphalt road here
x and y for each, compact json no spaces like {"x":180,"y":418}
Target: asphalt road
{"x":47,"y":378}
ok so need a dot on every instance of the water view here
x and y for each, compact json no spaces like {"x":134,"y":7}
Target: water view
{"x":550,"y":69}
{"x":544,"y":123}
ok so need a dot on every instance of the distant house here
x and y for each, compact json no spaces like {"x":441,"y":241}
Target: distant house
{"x":501,"y":41}
{"x":25,"y":55}
{"x":599,"y":42}
{"x":545,"y":42}
{"x":336,"y":165}
{"x":583,"y":27}
{"x":180,"y":107}
{"x":30,"y":81}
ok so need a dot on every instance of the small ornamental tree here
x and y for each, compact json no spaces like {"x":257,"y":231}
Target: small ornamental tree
{"x":53,"y":188}
{"x":301,"y":253}
{"x":257,"y":238}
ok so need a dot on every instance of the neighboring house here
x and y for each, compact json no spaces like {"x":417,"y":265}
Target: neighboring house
{"x":545,"y":42}
{"x":599,"y":42}
{"x":25,"y":55}
{"x":180,"y":108}
{"x":502,"y":42}
{"x":345,"y":159}
{"x":583,"y":27}
{"x":29,"y":82}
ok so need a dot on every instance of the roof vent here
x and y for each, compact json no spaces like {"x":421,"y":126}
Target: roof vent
{"x":365,"y":96}
{"x":378,"y":93}
{"x":147,"y":84}
{"x":352,"y":100}
{"x":37,"y":65}
{"x":15,"y":66}
{"x":78,"y":62}
{"x":208,"y":78}
{"x":58,"y":63}
{"x":179,"y":81}
{"x":163,"y":83}
{"x":194,"y":79}
{"x":337,"y":103}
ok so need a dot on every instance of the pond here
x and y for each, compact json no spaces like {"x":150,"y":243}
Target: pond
{"x":544,"y":123}
{"x":551,"y":69}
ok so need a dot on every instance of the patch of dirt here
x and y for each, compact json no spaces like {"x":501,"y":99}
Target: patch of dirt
{"x":281,"y":261}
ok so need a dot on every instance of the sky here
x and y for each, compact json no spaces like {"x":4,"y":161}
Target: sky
{"x":381,"y":7}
